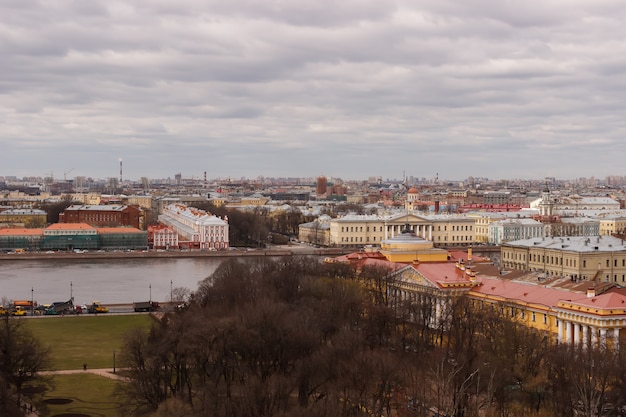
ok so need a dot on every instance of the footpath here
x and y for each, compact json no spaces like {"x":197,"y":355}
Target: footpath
{"x":105,"y":372}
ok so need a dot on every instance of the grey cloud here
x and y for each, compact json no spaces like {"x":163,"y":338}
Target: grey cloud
{"x":351,"y":89}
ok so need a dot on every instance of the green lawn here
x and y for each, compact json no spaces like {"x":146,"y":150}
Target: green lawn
{"x":82,"y":394}
{"x":76,"y":340}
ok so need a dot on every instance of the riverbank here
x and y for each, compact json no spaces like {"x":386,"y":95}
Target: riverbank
{"x":233,"y":252}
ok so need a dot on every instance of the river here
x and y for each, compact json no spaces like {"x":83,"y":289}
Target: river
{"x":110,"y":281}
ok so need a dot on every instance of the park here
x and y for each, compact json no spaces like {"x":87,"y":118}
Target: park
{"x":84,"y":362}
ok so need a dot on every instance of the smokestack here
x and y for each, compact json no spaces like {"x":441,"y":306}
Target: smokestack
{"x":120,"y":170}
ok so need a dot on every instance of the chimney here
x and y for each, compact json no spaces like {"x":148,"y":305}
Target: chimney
{"x":591,"y":292}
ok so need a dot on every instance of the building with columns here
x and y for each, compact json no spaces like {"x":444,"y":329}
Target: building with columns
{"x":356,"y":231}
{"x":567,"y":310}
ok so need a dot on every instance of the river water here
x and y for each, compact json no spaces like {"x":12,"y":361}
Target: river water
{"x":110,"y":281}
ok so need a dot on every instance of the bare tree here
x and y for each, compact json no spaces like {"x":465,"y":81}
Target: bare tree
{"x":22,"y":356}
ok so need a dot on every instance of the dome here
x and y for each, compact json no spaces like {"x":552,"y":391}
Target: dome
{"x":413,"y":190}
{"x":408,"y":247}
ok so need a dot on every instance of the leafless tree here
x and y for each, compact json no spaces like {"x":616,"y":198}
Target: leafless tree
{"x":22,"y":356}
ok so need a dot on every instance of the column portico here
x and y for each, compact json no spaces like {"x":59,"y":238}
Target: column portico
{"x":603,"y":337}
{"x":576,"y":333}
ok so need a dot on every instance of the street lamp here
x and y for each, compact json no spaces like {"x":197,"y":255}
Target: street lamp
{"x":113,"y":360}
{"x":171,"y":298}
{"x":150,"y":286}
{"x":32,"y":301}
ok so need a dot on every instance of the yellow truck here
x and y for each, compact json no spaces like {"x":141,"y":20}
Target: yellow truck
{"x":19,"y":311}
{"x":96,"y":307}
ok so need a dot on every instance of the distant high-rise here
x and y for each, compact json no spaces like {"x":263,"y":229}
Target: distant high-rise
{"x":322,"y":186}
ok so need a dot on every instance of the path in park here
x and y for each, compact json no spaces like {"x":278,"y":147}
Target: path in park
{"x":106,"y":372}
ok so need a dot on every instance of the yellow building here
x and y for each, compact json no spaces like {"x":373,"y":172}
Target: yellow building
{"x":567,"y":311}
{"x":453,"y":230}
{"x":356,"y":231}
{"x":408,"y":247}
{"x":612,"y":226}
{"x":30,"y":218}
{"x":91,"y":199}
{"x":600,"y":258}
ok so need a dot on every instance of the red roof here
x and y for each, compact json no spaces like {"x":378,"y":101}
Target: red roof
{"x":525,"y":293}
{"x":70,"y":226}
{"x":118,"y":230}
{"x":20,"y":231}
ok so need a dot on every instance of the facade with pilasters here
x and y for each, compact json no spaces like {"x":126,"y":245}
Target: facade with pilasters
{"x":196,"y":228}
{"x":355,"y":231}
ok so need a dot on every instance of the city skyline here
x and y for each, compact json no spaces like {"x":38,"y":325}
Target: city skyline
{"x":282,"y":89}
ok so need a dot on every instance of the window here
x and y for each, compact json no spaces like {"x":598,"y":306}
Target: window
{"x":545,"y":318}
{"x":533,"y":318}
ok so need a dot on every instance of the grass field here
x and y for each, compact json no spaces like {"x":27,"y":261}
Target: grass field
{"x":86,"y":394}
{"x":76,"y":340}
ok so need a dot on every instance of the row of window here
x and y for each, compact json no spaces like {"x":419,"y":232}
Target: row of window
{"x":558,"y":260}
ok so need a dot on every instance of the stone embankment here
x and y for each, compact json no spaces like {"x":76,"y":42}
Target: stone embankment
{"x":273,"y":251}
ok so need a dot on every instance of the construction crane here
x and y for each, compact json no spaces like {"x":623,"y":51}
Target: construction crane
{"x":65,"y":174}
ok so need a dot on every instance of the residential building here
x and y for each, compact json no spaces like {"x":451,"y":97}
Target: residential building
{"x":316,"y":232}
{"x":31,"y":218}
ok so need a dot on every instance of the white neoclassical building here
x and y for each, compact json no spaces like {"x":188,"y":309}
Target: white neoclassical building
{"x":196,"y":228}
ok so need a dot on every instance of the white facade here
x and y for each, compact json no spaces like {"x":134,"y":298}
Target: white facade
{"x":197,"y":227}
{"x":514,"y":229}
{"x":165,"y":237}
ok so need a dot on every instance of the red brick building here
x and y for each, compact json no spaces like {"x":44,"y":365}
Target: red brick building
{"x":105,"y":215}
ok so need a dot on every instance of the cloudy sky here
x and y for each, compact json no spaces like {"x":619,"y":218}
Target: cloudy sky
{"x":351,"y":88}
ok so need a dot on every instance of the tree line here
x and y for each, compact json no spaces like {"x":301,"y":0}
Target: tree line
{"x":293,"y":337}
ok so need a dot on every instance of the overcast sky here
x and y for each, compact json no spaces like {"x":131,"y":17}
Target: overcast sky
{"x":351,"y":89}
